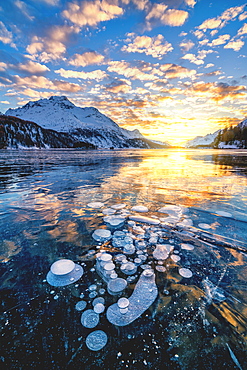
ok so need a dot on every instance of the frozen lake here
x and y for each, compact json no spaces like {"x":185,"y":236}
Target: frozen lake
{"x":181,"y":214}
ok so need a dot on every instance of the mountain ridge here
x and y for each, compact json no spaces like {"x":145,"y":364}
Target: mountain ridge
{"x":87,"y":124}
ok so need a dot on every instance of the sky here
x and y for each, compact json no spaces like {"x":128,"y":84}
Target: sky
{"x":173,"y":69}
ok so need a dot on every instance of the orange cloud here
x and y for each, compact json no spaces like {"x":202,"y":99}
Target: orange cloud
{"x":125,"y":69}
{"x":119,"y":86}
{"x":186,"y":45}
{"x":218,"y":91}
{"x":32,"y":67}
{"x":159,"y":13}
{"x":176,"y":71}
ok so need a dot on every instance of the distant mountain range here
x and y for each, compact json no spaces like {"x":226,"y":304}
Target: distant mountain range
{"x":228,"y":138}
{"x":58,"y":123}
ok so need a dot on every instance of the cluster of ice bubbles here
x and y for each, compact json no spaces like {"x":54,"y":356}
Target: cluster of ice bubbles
{"x":133,"y":254}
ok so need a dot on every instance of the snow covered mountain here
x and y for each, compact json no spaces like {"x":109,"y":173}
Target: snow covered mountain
{"x":17,"y":133}
{"x":202,"y":141}
{"x":83,"y":124}
{"x":228,"y":138}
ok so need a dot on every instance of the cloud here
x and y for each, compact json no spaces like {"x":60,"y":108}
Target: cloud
{"x":242,"y":30}
{"x":175,"y":71}
{"x":6,"y":36}
{"x":235,"y":45}
{"x":193,"y":59}
{"x":186,"y":45}
{"x":209,"y":65}
{"x":85,"y":59}
{"x":53,"y":46}
{"x":119,"y":86}
{"x":90,"y":13}
{"x":50,"y":2}
{"x":222,"y":39}
{"x":3,"y":66}
{"x":219,"y":22}
{"x":218,"y":91}
{"x":160,"y":13}
{"x":135,"y":73}
{"x":191,"y":3}
{"x":199,"y":59}
{"x":94,"y":75}
{"x":24,"y":9}
{"x":154,"y":46}
{"x":31,"y":67}
{"x":40,"y":82}
{"x":242,"y":16}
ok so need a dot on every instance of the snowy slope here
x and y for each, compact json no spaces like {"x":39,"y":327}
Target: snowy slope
{"x":202,"y":141}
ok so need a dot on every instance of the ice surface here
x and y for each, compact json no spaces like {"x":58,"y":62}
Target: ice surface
{"x":142,"y":298}
{"x":89,"y":319}
{"x":96,"y":340}
{"x":147,"y":220}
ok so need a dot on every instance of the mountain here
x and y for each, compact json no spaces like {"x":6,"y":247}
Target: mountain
{"x":17,"y":133}
{"x":232,"y":137}
{"x":86,"y":125}
{"x":202,"y":141}
{"x":228,"y":138}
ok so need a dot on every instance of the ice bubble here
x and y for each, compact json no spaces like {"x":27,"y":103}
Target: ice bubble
{"x":114,"y":220}
{"x":185,"y":272}
{"x":92,"y":294}
{"x":128,"y":268}
{"x":98,"y":300}
{"x":186,"y":222}
{"x":139,"y":209}
{"x":118,"y":206}
{"x":89,"y":319}
{"x":99,"y":308}
{"x":160,"y":268}
{"x":171,"y":210}
{"x":119,"y":234}
{"x":64,"y":272}
{"x":162,"y":251}
{"x":95,"y":205}
{"x":223,"y":213}
{"x":204,"y":226}
{"x":123,"y":302}
{"x":106,"y":257}
{"x":101,"y":235}
{"x":131,"y":223}
{"x":187,"y":246}
{"x":96,"y":340}
{"x":144,"y":219}
{"x":62,"y":267}
{"x":92,"y":287}
{"x":143,"y":296}
{"x":129,"y":249}
{"x":175,"y":257}
{"x":123,"y":310}
{"x":113,"y":275}
{"x":108,"y":211}
{"x":101,"y":291}
{"x":116,"y":286}
{"x":109,"y":266}
{"x":81,"y":305}
{"x":137,"y":261}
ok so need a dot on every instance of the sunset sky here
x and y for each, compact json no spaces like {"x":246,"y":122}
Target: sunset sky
{"x":173,"y":69}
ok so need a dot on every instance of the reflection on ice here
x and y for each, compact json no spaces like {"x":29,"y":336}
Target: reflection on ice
{"x":158,"y":289}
